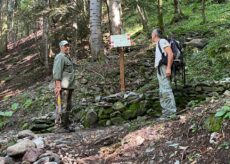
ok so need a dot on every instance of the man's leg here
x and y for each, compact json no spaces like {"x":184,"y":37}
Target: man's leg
{"x":167,"y":99}
{"x":65,"y":118}
{"x":59,"y":109}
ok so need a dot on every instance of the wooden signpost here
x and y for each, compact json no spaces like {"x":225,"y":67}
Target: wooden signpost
{"x":120,"y":41}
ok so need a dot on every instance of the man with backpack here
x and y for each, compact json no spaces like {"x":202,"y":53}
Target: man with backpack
{"x":64,"y":76}
{"x":163,"y":62}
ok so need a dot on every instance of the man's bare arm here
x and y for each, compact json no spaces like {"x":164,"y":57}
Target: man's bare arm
{"x":169,"y":52}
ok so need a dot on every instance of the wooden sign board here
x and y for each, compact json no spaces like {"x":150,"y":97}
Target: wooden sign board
{"x":120,"y":40}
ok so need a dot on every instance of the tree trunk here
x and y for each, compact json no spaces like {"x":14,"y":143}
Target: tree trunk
{"x":3,"y":26}
{"x":115,"y":16}
{"x":45,"y":36}
{"x":160,"y":15}
{"x":95,"y":29}
{"x":178,"y":14}
{"x":10,"y":20}
{"x":203,"y":11}
{"x":144,"y":19}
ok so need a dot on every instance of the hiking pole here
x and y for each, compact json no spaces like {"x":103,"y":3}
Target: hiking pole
{"x":58,"y":110}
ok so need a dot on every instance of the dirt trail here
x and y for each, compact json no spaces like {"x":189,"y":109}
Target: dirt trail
{"x":169,"y":141}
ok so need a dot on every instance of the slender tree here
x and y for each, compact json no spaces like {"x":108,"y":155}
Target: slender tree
{"x":3,"y":25}
{"x":160,"y":15}
{"x":46,"y":34}
{"x":95,"y":29}
{"x":143,"y":16}
{"x":203,"y":5}
{"x":10,"y":20}
{"x":178,"y":14}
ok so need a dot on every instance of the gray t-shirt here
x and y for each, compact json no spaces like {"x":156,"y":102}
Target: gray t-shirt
{"x":163,"y":43}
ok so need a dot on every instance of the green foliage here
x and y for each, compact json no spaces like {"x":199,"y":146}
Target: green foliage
{"x":225,"y":145}
{"x":223,"y":112}
{"x":213,"y":124}
{"x":28,"y":103}
{"x":6,"y":114}
{"x":14,"y":106}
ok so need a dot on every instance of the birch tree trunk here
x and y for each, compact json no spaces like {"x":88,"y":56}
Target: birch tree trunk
{"x":115,"y":16}
{"x":160,"y":15}
{"x":95,"y":29}
{"x":144,"y":19}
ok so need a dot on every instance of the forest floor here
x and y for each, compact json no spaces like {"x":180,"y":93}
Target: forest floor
{"x":184,"y":140}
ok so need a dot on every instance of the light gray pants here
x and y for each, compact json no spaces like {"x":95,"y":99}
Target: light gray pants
{"x":167,"y":99}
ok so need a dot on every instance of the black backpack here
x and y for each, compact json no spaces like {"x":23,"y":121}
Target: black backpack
{"x":176,"y":49}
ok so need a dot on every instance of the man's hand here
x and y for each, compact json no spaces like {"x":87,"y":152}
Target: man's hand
{"x":57,"y":89}
{"x":168,"y":72}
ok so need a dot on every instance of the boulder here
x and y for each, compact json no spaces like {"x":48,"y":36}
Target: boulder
{"x":7,"y":160}
{"x":227,"y":93}
{"x":48,"y":157}
{"x":32,"y":155}
{"x":2,"y":160}
{"x":117,"y":120}
{"x":198,"y":43}
{"x":90,"y":118}
{"x":26,"y":134}
{"x":39,"y":142}
{"x":20,"y":148}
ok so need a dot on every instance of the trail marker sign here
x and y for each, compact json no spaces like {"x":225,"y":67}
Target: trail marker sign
{"x":120,"y":40}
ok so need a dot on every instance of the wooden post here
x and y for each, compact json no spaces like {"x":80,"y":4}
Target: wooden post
{"x":122,"y":69}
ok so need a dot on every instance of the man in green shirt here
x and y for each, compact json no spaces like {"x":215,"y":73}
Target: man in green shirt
{"x":64,"y":77}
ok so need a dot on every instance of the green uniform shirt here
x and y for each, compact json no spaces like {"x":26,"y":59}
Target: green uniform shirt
{"x":63,"y":70}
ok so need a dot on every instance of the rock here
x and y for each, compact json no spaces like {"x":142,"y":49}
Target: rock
{"x":42,"y":123}
{"x":198,"y":43}
{"x":215,"y":138}
{"x":117,"y":120}
{"x":133,"y":110}
{"x":114,"y":97}
{"x":104,"y":113}
{"x":84,"y":81}
{"x":118,"y":106}
{"x":39,"y":142}
{"x":26,"y":134}
{"x":139,"y":140}
{"x":32,"y":155}
{"x":108,"y":123}
{"x":98,"y":98}
{"x":52,"y":157}
{"x":227,"y":93}
{"x":42,"y":160}
{"x":116,"y":113}
{"x":2,"y":160}
{"x":20,"y":148}
{"x":91,"y":118}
